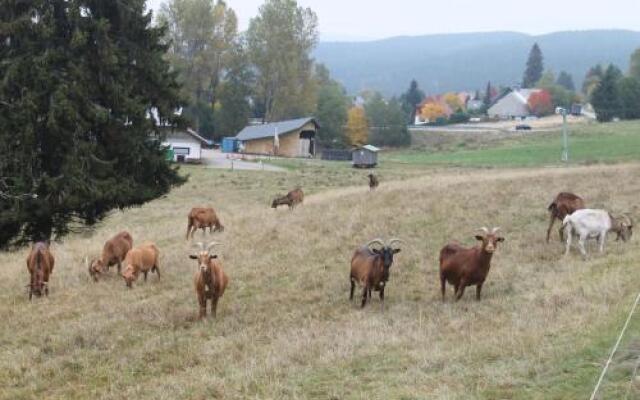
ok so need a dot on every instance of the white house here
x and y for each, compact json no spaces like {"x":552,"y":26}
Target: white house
{"x":512,"y":105}
{"x":186,"y":145}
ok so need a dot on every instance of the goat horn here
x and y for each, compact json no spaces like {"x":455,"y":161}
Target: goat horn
{"x":200,"y":245}
{"x":212,"y":245}
{"x":484,"y":229}
{"x":395,"y":240}
{"x":495,"y":230}
{"x":376,"y":240}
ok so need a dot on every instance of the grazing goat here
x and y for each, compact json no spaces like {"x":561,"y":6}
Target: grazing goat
{"x":143,"y":258}
{"x":210,"y":281}
{"x":370,"y":268}
{"x":463,"y":267}
{"x":564,"y":204}
{"x":202,"y":218}
{"x":292,"y":199}
{"x":40,"y":263}
{"x":589,"y":223}
{"x":373,"y":181}
{"x":113,"y":252}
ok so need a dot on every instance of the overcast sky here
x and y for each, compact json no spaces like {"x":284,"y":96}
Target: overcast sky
{"x":375,"y":19}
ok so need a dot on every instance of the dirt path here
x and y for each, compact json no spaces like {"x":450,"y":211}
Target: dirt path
{"x":217,"y":159}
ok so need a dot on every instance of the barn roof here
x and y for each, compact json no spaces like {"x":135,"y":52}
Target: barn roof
{"x":268,"y":130}
{"x":369,"y":147}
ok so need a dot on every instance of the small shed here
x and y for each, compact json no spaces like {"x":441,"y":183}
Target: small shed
{"x":229,"y":145}
{"x":365,"y":156}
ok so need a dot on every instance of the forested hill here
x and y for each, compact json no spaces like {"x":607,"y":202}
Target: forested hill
{"x":467,"y":61}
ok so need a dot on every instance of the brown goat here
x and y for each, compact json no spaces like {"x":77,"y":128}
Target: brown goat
{"x":143,"y":259}
{"x":292,"y":199}
{"x":463,"y":267}
{"x":40,"y":263}
{"x":370,"y":268}
{"x":564,"y":204}
{"x":210,"y":281}
{"x":373,"y":181}
{"x":113,"y":253}
{"x":202,"y":218}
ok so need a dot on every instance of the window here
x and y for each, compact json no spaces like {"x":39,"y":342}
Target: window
{"x":181,"y":151}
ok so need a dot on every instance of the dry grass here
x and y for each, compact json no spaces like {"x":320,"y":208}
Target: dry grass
{"x":285,"y":328}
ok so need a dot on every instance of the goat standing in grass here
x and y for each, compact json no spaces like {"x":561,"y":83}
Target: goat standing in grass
{"x":210,"y":281}
{"x":589,"y":223}
{"x":463,"y":267}
{"x":370,"y":268}
{"x":564,"y":204}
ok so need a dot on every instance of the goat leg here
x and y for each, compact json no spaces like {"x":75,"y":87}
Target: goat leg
{"x":353,"y":288}
{"x":551,"y":222}
{"x":478,"y":290}
{"x":364,"y":296}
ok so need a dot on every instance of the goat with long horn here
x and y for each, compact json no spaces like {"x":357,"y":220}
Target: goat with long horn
{"x":370,"y":268}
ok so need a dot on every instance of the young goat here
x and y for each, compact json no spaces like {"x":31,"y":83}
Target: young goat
{"x":370,"y":268}
{"x":210,"y":281}
{"x":589,"y":223}
{"x":373,"y":181}
{"x":292,"y":199}
{"x":143,"y":259}
{"x":463,"y":267}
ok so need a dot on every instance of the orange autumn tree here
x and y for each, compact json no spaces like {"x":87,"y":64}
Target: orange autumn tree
{"x":453,"y":101}
{"x":433,"y":111}
{"x":540,"y":103}
{"x":357,"y":127}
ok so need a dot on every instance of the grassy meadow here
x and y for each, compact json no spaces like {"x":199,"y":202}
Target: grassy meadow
{"x":588,"y":144}
{"x":285,"y":327}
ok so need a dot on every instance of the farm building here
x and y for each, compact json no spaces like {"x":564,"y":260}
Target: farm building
{"x":292,"y":138}
{"x":186,"y":145}
{"x":512,"y":105}
{"x":365,"y":156}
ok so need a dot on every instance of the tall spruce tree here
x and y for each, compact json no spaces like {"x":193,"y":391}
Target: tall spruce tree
{"x":535,"y":66}
{"x":566,"y":81}
{"x":411,"y":99}
{"x":605,"y":97}
{"x":79,"y":79}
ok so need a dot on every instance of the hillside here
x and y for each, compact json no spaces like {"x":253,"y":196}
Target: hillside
{"x":467,"y":61}
{"x":285,"y":327}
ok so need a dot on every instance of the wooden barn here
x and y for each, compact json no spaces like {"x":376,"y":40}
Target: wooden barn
{"x":292,"y":138}
{"x":365,"y":156}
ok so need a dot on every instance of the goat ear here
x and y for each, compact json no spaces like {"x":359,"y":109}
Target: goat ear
{"x":500,"y":239}
{"x":212,"y":256}
{"x":193,"y":257}
{"x":479,"y":237}
{"x":395,"y":251}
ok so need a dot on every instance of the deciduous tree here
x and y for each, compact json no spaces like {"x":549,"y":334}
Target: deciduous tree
{"x":280,"y":41}
{"x":357,"y":127}
{"x":432,"y":111}
{"x":634,"y":65}
{"x":629,"y":91}
{"x":540,"y":103}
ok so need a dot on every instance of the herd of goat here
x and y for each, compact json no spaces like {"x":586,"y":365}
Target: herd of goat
{"x":370,"y":264}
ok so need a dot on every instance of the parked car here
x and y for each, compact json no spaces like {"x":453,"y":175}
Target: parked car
{"x":523,"y":127}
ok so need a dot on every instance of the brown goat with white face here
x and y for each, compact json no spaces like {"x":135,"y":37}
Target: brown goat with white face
{"x":564,"y":204}
{"x":463,"y":267}
{"x":202,"y":218}
{"x":143,"y":259}
{"x":113,"y":253}
{"x":370,"y":268}
{"x":40,"y":263}
{"x":210,"y":281}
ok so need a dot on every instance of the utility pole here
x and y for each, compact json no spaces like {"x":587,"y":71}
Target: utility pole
{"x":565,"y":137}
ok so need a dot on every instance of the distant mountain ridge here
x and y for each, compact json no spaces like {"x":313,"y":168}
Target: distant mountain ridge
{"x":466,"y":61}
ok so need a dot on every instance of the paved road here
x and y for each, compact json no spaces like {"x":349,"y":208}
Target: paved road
{"x":217,"y":159}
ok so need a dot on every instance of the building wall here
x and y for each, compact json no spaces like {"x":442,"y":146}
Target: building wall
{"x":290,"y":144}
{"x":510,"y":105}
{"x":185,"y":141}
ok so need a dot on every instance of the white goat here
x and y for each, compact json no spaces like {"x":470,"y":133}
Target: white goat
{"x":589,"y":223}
